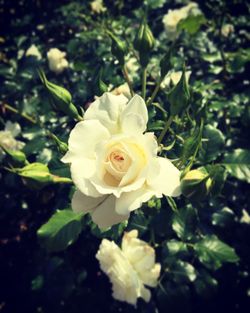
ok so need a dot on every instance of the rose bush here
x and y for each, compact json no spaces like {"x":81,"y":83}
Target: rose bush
{"x":129,"y":268}
{"x":114,"y":164}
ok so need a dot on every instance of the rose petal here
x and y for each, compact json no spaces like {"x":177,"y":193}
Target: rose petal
{"x":134,"y":117}
{"x":130,"y":201}
{"x":83,"y":139}
{"x":105,"y":215}
{"x":167,"y":181}
{"x":81,"y":171}
{"x":107,"y":110}
{"x":82,"y":203}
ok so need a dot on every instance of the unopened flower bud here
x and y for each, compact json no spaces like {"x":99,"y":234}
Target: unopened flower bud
{"x":179,"y":96}
{"x":17,"y":157}
{"x":61,"y":146}
{"x":61,"y":97}
{"x":144,"y":43}
{"x":99,"y":86}
{"x":196,"y":184}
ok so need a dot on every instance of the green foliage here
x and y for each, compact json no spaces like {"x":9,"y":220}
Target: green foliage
{"x":213,"y":144}
{"x":185,"y":222}
{"x":60,"y":231}
{"x":179,"y":96}
{"x":185,"y":236}
{"x":212,"y":252}
{"x":237,"y":164}
{"x":192,"y":23}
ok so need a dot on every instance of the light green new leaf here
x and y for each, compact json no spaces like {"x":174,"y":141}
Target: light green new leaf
{"x":237,"y":164}
{"x":212,"y":252}
{"x":192,"y":23}
{"x":60,"y":231}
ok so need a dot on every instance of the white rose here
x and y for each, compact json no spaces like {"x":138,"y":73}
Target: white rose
{"x":173,"y":17}
{"x":33,"y":51}
{"x":227,"y":29}
{"x":122,"y":90}
{"x":97,"y":6}
{"x":57,"y":60}
{"x":7,"y":138}
{"x":129,"y":268}
{"x":174,"y":78}
{"x":114,"y":164}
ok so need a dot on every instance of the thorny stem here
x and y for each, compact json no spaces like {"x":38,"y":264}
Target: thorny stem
{"x":164,"y":131}
{"x":11,"y":109}
{"x":157,"y":87}
{"x":144,"y":82}
{"x":125,"y":73}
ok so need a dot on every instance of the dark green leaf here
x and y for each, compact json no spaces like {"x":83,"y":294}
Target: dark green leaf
{"x":237,"y":164}
{"x":184,"y":223}
{"x":61,"y":230}
{"x":212,"y":252}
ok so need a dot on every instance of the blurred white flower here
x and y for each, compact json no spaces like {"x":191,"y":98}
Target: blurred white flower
{"x":227,"y":29}
{"x":114,"y":164}
{"x":57,"y":60}
{"x":7,"y":138}
{"x":174,"y":78}
{"x":33,"y":51}
{"x":122,"y":90}
{"x":245,"y":217}
{"x":132,"y":66}
{"x":97,"y":6}
{"x":173,"y":17}
{"x":129,"y":268}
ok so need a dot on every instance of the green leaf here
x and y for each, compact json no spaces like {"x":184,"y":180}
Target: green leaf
{"x":183,"y":272}
{"x":184,"y":223}
{"x":237,"y":164}
{"x":192,"y":23}
{"x":212,"y":252}
{"x":39,"y":173}
{"x":223,"y":217}
{"x":60,"y":231}
{"x":176,"y":247}
{"x":213,"y":144}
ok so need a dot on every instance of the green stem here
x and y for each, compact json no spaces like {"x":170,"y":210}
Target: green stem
{"x":144,"y":82}
{"x":125,"y":73}
{"x":154,"y":94}
{"x":27,"y":117}
{"x":164,"y":131}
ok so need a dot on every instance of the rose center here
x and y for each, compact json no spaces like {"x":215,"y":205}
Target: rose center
{"x":119,"y":160}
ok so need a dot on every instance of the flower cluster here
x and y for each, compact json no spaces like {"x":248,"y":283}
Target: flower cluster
{"x":114,"y":164}
{"x":173,"y":17}
{"x":129,"y":268}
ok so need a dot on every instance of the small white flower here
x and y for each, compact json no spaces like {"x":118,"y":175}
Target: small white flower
{"x":7,"y":138}
{"x":245,"y":217}
{"x":227,"y":29}
{"x":129,"y":268}
{"x":57,"y":60}
{"x":132,"y":67}
{"x":114,"y":164}
{"x":173,"y":17}
{"x":122,"y":90}
{"x":33,"y":51}
{"x":97,"y":6}
{"x":174,"y":78}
